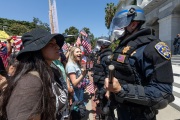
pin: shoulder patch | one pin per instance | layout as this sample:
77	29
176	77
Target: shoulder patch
163	50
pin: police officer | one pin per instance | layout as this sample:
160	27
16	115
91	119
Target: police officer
103	51
143	76
176	44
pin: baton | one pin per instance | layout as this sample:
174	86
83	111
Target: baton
111	73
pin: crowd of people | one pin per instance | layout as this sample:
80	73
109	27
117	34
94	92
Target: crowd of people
41	82
35	84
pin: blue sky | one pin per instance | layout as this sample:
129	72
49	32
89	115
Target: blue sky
77	13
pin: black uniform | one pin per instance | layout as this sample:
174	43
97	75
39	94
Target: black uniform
100	72
176	44
143	68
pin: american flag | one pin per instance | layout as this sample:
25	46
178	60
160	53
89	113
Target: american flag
86	45
17	43
78	41
65	47
84	59
82	32
91	88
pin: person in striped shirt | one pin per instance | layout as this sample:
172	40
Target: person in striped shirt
5	51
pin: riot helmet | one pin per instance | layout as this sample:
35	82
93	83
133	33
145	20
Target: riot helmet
123	18
102	42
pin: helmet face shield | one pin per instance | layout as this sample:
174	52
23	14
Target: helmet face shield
118	24
103	42
96	49
124	17
121	22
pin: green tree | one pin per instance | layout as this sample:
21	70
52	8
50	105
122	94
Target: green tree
87	30
114	45
71	31
18	29
39	24
110	11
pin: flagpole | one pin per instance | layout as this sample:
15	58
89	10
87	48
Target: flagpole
53	16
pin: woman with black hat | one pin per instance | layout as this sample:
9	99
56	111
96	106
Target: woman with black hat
34	91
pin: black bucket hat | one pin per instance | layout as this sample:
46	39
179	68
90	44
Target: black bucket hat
37	39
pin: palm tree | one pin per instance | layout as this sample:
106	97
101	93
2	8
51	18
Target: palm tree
110	11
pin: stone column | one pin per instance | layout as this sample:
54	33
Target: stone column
169	27
165	30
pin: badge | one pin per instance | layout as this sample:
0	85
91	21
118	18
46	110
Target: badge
127	48
163	50
121	58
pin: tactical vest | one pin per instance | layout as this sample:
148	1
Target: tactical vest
99	70
104	54
124	72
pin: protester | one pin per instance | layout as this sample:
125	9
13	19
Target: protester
36	91
5	51
58	65
143	76
2	68
12	64
75	73
176	44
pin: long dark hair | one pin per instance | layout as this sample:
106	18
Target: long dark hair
33	61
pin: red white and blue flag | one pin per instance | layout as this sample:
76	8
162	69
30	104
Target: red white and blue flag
84	59
65	47
17	43
78	41
83	33
86	45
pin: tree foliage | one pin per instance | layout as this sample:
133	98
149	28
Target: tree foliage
16	27
110	11
114	45
74	31
71	31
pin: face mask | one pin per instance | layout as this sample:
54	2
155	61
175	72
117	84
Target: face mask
119	33
97	48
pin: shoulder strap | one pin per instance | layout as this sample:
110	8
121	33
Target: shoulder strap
140	41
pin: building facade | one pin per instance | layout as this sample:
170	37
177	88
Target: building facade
161	15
